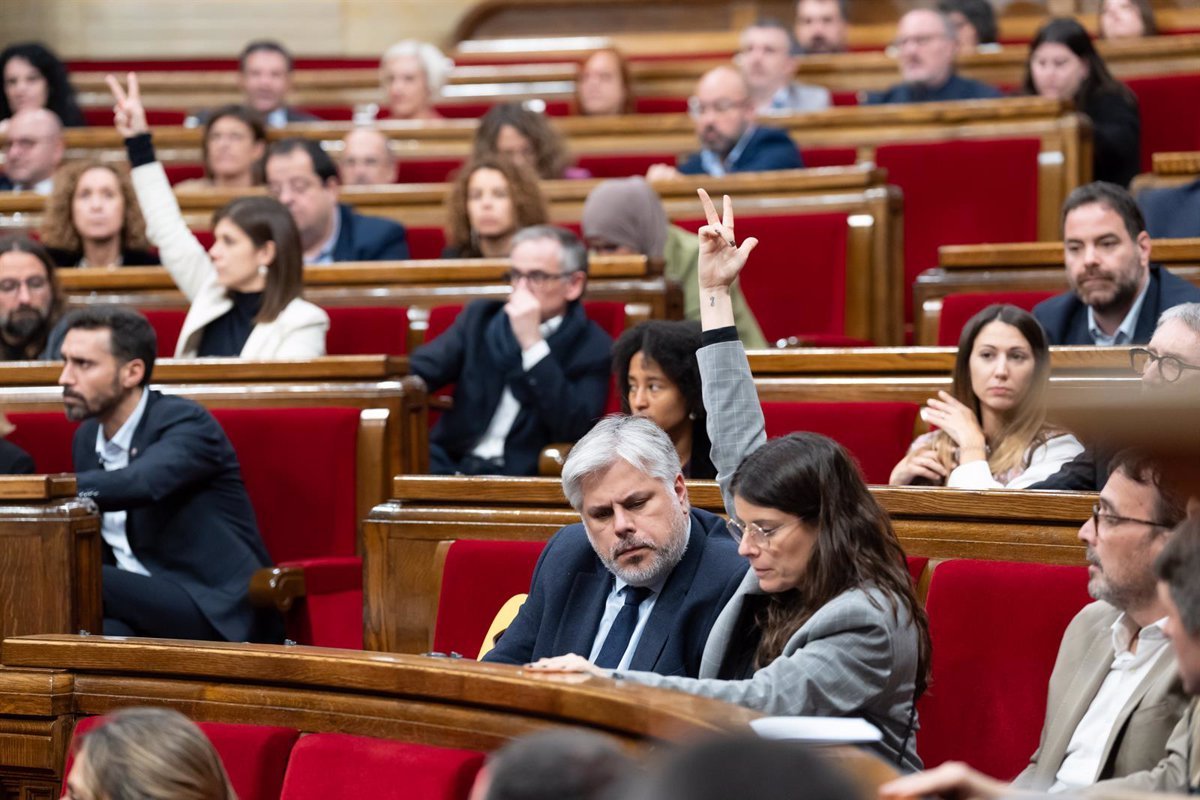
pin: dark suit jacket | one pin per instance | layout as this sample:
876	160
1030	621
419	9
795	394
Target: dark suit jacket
570	585
957	88
363	238
560	397
189	518
1116	137
293	115
767	149
1064	316
1172	213
14	460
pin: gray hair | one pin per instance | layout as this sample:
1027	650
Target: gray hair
1187	313
635	440
436	64
574	254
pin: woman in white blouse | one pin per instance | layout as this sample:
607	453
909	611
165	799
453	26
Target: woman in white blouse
991	430
245	290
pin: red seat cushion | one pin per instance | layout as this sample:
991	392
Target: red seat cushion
940	207
876	434
623	165
477	579
957	310
254	756
1164	129
325	765
167	324
178	173
429	170
47	437
829	156
916	566
660	105
367	330
426	243
996	628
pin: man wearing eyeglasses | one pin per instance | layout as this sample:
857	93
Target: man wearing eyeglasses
33	149
730	141
1170	360
926	46
30	305
527	372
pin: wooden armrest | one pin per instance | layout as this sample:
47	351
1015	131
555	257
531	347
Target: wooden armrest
440	402
277	586
552	458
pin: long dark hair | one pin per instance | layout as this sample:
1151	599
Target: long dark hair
672	345
1149	25
60	95
812	477
265	219
1073	36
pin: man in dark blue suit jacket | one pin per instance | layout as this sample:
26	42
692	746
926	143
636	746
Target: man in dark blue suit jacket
179	536
724	117
638	530
1172	213
528	372
1116	295
927	46
302	176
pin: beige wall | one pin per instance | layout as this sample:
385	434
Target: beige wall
180	28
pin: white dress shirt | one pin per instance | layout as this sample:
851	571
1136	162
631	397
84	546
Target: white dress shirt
1082	762
616	600
114	454
491	444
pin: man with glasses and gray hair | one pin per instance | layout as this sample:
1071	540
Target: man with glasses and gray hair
1171	359
528	372
639	582
723	114
926	47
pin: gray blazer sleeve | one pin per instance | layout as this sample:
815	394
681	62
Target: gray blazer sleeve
735	419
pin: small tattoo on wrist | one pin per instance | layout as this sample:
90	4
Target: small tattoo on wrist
712	300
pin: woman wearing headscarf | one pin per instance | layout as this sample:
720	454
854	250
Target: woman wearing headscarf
626	216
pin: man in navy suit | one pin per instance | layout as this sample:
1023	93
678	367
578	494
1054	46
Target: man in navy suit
302	176
527	372
179	537
723	114
1116	294
1172	213
638	584
927	46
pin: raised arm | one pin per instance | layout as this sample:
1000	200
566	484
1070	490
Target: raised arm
735	420
179	251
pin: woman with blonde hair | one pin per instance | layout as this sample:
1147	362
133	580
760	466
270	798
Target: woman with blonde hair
991	425
93	219
147	754
491	199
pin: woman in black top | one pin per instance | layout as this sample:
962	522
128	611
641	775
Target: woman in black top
35	78
1064	65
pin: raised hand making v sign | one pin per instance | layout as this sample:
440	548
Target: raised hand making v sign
721	261
129	117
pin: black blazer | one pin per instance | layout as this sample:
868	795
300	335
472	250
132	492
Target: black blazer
189	518
14	460
768	149
1116	137
570	586
129	258
1172	213
1064	316
560	397
368	238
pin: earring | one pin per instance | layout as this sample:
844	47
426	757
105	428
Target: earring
692	415
262	270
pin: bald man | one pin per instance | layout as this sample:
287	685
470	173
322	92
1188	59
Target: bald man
33	149
927	46
730	141
367	160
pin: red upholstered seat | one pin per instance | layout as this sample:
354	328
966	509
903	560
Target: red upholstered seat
796	284
325	765
254	756
178	173
940	207
623	165
660	105
996	629
916	566
957	310
876	434
428	170
1164	128
479	577
426	242
47	437
828	157
167	323
367	330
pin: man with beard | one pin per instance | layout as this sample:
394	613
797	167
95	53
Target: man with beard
1116	294
766	61
821	27
723	115
179	536
639	583
30	303
926	46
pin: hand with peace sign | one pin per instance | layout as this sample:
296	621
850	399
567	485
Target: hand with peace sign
129	117
721	259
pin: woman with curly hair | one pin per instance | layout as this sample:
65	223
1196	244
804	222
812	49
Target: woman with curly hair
235	138
526	138
491	200
35	78
93	218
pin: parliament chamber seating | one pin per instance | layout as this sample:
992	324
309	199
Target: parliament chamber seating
1164	129
957	310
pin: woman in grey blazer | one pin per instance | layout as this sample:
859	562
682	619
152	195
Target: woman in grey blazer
826	622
